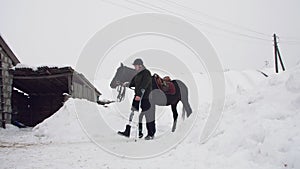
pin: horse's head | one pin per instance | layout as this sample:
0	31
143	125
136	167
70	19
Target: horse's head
123	74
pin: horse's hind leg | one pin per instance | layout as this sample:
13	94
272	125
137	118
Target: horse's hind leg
142	114
175	116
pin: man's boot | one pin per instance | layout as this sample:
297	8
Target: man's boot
148	137
151	130
125	133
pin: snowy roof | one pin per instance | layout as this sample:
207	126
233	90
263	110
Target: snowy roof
36	67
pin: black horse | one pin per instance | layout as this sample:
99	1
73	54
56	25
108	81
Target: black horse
125	74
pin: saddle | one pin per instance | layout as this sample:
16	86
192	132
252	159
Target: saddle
165	84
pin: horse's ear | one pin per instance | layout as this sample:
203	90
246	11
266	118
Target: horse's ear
122	64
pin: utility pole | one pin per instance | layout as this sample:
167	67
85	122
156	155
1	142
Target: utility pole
277	54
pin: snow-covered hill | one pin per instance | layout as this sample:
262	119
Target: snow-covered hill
259	129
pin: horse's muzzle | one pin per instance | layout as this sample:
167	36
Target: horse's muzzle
113	85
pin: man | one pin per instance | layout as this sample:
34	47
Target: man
142	80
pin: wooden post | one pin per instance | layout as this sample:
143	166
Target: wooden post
279	55
70	90
275	52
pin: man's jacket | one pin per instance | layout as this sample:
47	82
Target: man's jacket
142	80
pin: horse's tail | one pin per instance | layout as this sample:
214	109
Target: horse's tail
184	95
183	113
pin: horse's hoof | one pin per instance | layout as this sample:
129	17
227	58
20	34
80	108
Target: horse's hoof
173	128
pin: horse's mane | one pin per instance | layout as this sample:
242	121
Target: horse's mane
128	68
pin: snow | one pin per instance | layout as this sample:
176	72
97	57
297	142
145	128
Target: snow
259	129
62	127
35	67
238	81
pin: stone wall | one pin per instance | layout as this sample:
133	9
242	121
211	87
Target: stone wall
6	80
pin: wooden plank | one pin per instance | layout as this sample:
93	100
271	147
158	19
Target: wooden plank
70	85
41	76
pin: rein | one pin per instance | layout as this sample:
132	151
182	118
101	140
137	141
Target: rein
121	89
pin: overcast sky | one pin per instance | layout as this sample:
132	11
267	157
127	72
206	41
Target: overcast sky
54	32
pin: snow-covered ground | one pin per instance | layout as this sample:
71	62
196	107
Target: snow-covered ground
259	129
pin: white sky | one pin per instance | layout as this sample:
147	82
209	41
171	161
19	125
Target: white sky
54	32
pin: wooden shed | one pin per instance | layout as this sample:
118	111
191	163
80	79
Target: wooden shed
30	95
39	93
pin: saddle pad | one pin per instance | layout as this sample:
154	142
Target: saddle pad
169	88
172	89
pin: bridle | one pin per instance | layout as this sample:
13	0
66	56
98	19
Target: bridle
121	88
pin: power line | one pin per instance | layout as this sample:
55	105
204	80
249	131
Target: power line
228	36
122	6
290	38
195	20
159	9
290	41
192	10
200	22
287	40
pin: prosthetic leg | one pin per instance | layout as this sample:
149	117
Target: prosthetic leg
126	133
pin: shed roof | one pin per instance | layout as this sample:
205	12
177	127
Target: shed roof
47	80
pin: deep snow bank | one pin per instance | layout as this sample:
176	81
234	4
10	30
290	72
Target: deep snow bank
63	126
259	128
238	81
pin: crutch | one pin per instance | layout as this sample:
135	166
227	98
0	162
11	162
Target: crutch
132	114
